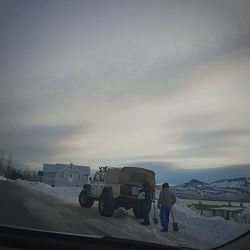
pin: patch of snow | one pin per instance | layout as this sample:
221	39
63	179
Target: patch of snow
214	229
246	210
2	178
66	194
241	182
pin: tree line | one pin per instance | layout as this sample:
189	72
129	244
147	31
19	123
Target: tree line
8	170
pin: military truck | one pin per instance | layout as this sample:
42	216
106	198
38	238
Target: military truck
117	187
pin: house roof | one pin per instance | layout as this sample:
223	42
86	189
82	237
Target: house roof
52	168
83	169
56	168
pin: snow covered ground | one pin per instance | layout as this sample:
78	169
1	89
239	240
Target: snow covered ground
2	178
66	194
195	230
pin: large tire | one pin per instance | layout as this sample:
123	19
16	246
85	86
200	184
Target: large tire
138	209
85	200
106	205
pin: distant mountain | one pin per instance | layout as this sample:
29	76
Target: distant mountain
241	182
195	184
236	189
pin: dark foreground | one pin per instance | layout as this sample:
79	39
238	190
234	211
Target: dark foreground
24	208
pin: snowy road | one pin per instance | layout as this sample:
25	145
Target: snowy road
22	207
35	205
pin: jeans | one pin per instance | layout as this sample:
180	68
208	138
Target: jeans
164	217
146	208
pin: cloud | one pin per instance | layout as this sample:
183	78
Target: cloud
151	81
167	172
35	143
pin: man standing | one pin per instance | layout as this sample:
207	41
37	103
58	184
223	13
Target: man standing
147	202
166	200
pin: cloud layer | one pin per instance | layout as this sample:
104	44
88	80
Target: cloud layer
112	82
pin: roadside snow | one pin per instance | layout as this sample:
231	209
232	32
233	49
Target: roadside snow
2	178
212	231
66	194
195	231
246	210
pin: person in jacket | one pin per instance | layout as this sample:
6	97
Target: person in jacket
146	202
165	201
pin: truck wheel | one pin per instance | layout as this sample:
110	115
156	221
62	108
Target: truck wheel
85	200
105	205
138	209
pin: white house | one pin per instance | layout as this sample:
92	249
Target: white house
65	175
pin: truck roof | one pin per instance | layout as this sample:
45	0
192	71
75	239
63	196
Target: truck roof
129	175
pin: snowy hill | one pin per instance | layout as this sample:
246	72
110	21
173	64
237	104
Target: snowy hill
195	184
241	182
237	189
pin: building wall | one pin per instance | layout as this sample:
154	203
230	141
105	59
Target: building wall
65	175
49	171
49	178
70	177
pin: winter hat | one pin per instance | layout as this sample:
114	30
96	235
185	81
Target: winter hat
165	185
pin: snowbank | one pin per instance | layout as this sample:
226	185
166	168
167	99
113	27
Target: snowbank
195	231
66	194
2	178
246	210
213	231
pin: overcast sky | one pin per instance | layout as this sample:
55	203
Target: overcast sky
113	82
